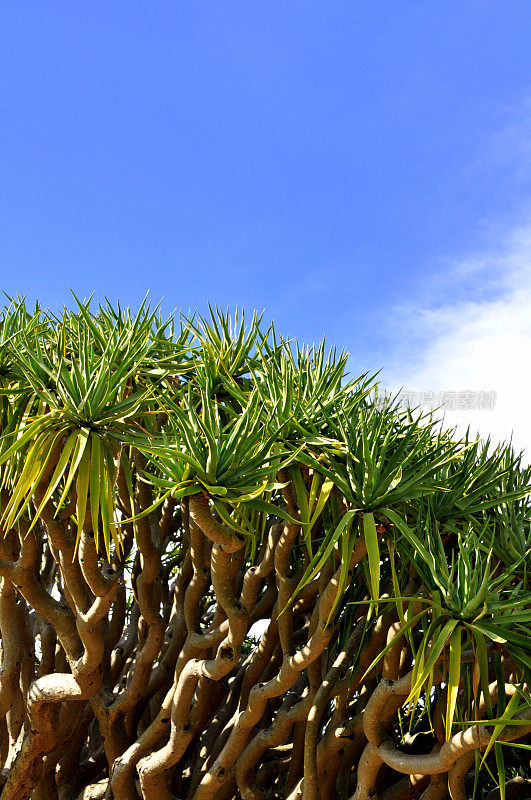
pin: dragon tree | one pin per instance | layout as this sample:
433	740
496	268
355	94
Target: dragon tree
229	570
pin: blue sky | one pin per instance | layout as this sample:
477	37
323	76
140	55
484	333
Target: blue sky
356	169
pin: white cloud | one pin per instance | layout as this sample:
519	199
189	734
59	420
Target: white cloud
480	341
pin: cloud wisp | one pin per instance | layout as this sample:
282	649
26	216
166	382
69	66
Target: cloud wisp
480	342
